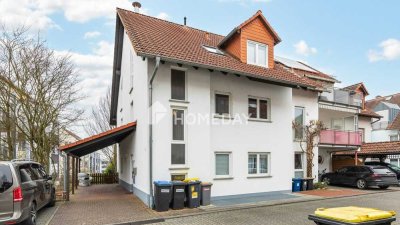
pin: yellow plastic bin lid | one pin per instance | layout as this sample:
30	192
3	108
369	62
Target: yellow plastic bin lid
353	214
187	180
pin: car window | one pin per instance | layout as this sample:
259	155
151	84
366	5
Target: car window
343	170
37	174
363	170
395	168
42	171
26	173
381	170
6	180
352	170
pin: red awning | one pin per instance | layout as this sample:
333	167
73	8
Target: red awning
99	141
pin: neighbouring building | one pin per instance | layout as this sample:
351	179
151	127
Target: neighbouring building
222	108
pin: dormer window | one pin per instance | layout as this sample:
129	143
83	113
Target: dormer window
257	53
213	50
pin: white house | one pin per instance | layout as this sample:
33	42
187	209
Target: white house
219	108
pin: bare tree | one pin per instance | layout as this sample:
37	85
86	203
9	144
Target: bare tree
99	122
44	86
309	141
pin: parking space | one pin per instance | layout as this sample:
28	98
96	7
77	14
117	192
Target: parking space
102	204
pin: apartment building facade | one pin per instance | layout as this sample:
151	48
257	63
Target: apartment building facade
220	108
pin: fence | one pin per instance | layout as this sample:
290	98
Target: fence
101	178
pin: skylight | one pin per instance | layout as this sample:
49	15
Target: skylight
213	50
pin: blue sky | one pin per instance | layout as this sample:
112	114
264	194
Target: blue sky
352	40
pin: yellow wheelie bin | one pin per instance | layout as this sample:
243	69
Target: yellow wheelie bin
352	216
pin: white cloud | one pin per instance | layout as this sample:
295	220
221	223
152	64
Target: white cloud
389	50
91	34
163	16
244	2
302	48
94	72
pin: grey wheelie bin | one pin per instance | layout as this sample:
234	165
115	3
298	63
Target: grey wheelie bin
178	195
205	193
162	195
192	192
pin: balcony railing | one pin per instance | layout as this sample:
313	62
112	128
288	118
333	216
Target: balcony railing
381	125
338	137
342	97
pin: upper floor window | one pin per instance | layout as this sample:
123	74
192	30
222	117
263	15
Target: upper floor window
257	53
222	104
394	137
299	121
258	108
178	85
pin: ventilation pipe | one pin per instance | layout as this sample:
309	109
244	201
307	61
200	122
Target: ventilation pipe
184	20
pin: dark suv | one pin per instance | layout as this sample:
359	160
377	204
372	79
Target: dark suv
25	188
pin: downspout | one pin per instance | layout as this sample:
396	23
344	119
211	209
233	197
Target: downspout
151	129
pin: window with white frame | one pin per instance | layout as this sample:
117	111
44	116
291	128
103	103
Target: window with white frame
178	147
299	121
222	164
259	108
222	102
258	163
178	85
257	53
298	165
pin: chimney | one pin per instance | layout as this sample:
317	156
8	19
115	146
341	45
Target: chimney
136	6
184	20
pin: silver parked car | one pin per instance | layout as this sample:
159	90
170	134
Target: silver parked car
25	188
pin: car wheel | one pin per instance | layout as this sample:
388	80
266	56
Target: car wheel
361	184
384	187
326	180
52	201
32	215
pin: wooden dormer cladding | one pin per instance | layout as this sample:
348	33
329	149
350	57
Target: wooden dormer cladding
255	29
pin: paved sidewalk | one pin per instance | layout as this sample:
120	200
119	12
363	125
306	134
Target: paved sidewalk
102	204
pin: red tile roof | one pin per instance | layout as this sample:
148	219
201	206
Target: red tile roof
97	136
354	87
376	148
395	125
182	44
369	113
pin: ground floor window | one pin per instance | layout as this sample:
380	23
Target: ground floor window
222	164
298	165
178	177
395	162
258	163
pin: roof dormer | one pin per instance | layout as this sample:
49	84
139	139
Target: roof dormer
252	41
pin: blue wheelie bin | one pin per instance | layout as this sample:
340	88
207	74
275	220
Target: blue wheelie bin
296	184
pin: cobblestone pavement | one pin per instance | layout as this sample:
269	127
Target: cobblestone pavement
294	213
46	213
101	204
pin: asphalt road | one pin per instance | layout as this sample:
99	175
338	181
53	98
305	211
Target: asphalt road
295	213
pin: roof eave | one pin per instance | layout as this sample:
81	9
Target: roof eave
282	82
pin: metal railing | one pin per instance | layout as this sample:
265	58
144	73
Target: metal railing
342	97
338	137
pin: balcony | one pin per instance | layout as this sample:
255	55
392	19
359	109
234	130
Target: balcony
338	137
381	125
338	96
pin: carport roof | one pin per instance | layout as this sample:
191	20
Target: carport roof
99	141
376	149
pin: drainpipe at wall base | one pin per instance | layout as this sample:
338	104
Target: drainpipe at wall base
151	129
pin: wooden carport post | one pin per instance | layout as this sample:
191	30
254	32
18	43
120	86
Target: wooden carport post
73	175
68	180
76	172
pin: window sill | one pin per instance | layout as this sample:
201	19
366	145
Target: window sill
223	178
179	167
259	176
179	101
259	120
225	117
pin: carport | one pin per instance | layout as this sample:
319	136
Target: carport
380	150
86	146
